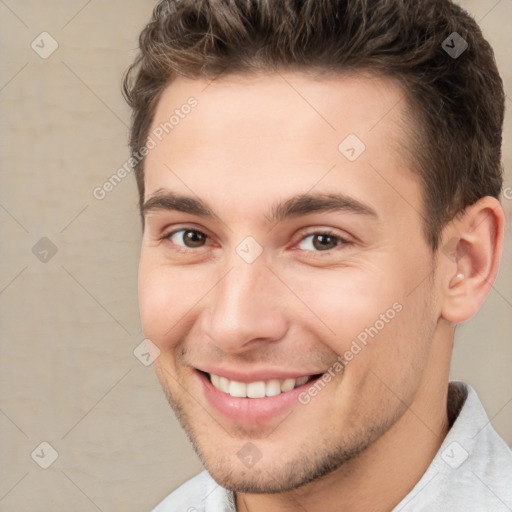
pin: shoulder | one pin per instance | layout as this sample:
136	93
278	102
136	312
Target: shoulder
472	470
189	496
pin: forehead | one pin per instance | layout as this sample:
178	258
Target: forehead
267	134
270	102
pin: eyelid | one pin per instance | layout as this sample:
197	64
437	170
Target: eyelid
324	231
183	227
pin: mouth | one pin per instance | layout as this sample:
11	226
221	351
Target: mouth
253	399
260	388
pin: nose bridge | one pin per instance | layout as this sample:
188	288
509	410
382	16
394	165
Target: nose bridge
243	307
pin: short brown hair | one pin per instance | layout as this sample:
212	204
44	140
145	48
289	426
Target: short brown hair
458	102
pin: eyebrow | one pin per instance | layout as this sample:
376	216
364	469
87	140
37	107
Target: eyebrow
295	206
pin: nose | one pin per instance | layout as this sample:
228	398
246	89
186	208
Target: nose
246	309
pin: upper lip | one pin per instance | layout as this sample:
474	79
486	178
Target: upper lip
253	375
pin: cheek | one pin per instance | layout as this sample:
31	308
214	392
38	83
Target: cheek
152	301
170	298
347	301
165	298
367	317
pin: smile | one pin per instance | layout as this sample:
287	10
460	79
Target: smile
258	389
252	397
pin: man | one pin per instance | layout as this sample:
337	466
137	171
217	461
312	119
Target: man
319	188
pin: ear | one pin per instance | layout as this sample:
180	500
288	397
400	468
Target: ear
469	258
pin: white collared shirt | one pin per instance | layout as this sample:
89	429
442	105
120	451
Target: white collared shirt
471	472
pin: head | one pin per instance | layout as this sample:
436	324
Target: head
329	170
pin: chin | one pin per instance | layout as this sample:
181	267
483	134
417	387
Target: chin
276	472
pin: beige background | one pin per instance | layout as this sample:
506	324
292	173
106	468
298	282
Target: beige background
69	326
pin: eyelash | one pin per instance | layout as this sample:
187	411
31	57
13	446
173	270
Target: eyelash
341	241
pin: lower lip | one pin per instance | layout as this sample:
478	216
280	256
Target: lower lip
251	411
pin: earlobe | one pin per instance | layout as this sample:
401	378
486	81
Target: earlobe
470	267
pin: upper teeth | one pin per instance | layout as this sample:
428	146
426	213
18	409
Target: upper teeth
258	389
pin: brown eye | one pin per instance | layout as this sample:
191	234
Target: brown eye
188	238
320	242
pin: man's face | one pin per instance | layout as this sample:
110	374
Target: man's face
259	294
